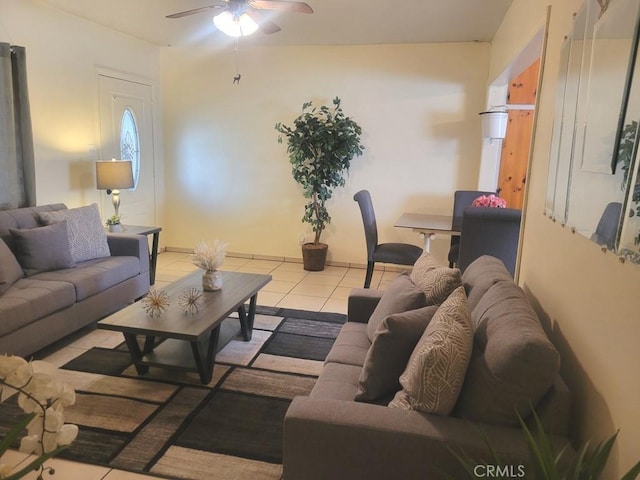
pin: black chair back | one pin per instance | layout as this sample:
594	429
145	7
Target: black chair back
607	229
490	231
368	220
461	200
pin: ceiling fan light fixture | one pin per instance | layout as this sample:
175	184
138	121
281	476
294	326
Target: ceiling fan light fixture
235	25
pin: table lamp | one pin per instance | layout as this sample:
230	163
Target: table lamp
113	175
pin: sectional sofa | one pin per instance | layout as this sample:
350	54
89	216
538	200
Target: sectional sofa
425	370
60	271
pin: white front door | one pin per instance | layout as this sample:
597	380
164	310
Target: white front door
126	133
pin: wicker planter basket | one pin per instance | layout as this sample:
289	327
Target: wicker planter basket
314	256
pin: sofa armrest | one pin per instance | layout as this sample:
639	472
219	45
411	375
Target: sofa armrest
132	246
361	304
351	440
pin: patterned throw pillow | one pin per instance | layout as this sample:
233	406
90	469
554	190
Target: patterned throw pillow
437	282
390	351
87	237
434	375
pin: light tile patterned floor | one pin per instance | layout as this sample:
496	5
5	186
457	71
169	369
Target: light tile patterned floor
291	287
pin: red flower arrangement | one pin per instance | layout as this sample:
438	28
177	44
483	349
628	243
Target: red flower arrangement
489	201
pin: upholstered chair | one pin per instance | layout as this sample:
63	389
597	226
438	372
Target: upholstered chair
489	231
461	200
395	253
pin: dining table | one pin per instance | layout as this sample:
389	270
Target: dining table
428	225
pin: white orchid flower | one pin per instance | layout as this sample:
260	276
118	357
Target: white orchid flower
9	364
31	444
67	434
41	395
65	395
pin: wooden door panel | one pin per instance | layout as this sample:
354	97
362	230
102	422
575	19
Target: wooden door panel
515	157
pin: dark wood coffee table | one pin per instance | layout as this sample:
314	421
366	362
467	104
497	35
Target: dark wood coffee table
190	340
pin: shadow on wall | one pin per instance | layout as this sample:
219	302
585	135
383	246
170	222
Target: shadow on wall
588	405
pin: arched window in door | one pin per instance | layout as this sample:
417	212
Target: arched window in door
130	143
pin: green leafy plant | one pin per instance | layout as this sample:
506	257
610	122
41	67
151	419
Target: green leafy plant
321	144
626	152
113	220
549	463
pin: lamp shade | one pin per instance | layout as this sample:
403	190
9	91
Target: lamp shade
235	25
113	175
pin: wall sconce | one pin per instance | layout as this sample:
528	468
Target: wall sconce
113	175
494	123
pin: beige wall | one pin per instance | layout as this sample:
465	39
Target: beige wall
590	298
63	53
227	176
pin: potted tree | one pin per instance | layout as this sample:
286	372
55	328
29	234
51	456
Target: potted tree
321	144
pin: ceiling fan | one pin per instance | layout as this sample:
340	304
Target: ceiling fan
243	17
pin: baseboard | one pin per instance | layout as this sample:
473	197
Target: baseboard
254	256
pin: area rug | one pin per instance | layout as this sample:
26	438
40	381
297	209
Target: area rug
168	424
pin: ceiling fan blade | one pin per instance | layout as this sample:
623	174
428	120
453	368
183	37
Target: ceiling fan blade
266	26
281	5
194	11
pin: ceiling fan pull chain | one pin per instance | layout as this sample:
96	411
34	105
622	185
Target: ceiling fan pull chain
236	78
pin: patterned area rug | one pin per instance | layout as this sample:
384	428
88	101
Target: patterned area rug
167	424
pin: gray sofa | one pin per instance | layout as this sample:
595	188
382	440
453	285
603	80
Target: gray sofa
39	308
512	366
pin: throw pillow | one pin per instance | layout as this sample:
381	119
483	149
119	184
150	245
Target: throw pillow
42	249
10	269
87	237
434	375
400	296
437	282
513	363
389	353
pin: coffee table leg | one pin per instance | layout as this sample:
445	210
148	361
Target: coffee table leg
136	353
246	319
205	360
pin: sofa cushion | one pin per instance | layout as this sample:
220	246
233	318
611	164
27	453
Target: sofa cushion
42	249
29	299
87	236
400	296
434	375
351	345
513	362
437	282
94	276
481	275
337	382
10	269
389	353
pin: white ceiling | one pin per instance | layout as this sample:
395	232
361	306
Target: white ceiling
335	22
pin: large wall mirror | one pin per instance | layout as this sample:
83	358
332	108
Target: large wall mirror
594	145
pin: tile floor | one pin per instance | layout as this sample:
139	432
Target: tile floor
291	287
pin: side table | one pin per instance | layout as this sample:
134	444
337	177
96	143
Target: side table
153	253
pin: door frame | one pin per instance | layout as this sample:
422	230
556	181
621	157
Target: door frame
497	95
156	133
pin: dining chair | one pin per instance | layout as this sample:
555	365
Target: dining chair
395	253
461	200
489	231
607	228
